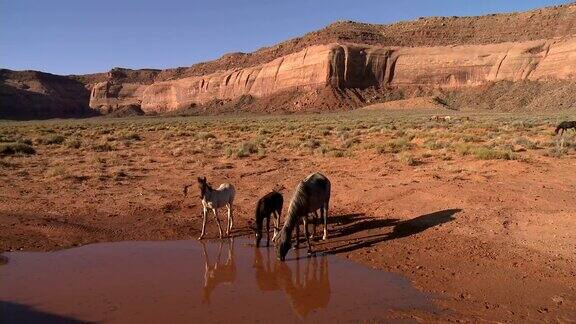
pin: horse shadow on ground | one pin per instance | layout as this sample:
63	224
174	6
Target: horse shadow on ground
19	313
354	223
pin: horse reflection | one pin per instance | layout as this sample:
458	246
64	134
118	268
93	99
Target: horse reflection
307	288
219	272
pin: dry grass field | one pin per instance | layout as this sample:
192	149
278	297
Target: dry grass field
480	210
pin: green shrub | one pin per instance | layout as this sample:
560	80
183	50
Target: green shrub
228	151
351	142
245	149
102	147
408	159
311	143
57	171
556	151
51	139
464	149
486	153
205	136
337	153
16	148
526	143
395	146
130	137
434	144
73	143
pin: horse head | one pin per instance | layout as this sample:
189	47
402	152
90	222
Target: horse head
284	244
203	186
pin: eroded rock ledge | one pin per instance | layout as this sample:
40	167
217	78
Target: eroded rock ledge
351	66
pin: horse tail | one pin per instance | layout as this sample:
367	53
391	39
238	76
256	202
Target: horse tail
185	190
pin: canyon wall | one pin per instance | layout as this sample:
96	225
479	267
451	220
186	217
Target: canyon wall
38	95
352	66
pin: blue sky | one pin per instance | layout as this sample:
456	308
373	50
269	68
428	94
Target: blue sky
80	36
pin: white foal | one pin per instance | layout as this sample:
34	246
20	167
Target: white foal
214	199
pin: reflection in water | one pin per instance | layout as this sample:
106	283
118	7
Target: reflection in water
219	272
3	260
163	282
308	288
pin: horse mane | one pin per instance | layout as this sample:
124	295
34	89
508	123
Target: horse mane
297	202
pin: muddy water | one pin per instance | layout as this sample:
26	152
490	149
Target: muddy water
191	282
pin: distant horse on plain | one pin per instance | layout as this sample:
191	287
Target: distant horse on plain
311	194
564	126
214	199
268	206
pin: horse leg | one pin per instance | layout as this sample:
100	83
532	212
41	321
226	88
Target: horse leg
316	219
217	221
230	251
305	222
297	235
206	264
325	216
231	217
307	236
230	220
268	230
276	224
204	212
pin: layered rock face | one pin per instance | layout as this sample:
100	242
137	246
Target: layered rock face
352	66
305	71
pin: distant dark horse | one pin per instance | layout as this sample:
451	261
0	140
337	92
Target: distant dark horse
565	125
311	194
267	206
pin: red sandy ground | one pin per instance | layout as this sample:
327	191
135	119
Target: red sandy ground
492	240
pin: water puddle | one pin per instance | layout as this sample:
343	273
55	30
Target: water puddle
188	281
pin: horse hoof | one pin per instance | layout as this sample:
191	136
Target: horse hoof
200	238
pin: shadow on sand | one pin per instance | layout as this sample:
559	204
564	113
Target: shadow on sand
18	313
354	223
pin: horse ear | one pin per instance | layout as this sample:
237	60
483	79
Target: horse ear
199	179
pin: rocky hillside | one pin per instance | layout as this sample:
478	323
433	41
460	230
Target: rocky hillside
38	95
345	65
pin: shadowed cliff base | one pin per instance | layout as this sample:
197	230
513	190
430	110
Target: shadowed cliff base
37	95
503	96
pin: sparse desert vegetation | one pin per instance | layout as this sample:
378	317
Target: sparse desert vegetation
408	138
507	178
